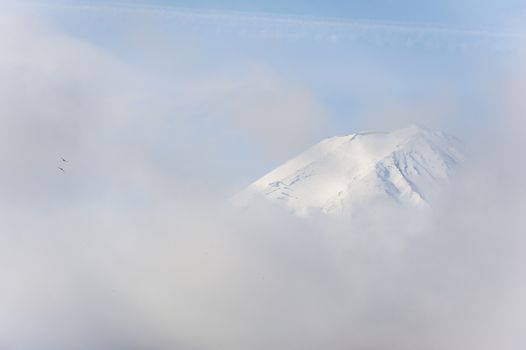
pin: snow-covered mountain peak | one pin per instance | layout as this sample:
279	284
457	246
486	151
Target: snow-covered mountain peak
408	166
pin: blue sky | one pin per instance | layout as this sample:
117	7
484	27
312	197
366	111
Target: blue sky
366	64
469	12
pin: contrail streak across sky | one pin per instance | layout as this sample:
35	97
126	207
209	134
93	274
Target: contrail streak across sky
291	27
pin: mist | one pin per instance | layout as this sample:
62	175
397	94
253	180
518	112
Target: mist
135	245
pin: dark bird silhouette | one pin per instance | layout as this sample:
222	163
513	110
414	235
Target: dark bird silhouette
61	169
64	160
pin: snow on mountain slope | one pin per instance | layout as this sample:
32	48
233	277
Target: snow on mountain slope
409	166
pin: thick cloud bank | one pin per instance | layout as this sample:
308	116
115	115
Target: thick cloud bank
133	248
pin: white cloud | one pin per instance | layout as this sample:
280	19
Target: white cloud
85	263
124	129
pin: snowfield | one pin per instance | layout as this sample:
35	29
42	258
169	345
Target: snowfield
340	175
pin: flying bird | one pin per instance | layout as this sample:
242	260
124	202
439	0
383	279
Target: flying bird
64	160
62	169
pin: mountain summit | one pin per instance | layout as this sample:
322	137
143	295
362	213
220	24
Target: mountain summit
340	175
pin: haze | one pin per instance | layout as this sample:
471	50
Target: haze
166	110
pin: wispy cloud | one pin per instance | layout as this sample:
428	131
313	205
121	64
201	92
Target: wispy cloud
129	251
292	27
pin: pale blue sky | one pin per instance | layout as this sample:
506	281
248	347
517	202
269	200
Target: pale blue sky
368	64
467	12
